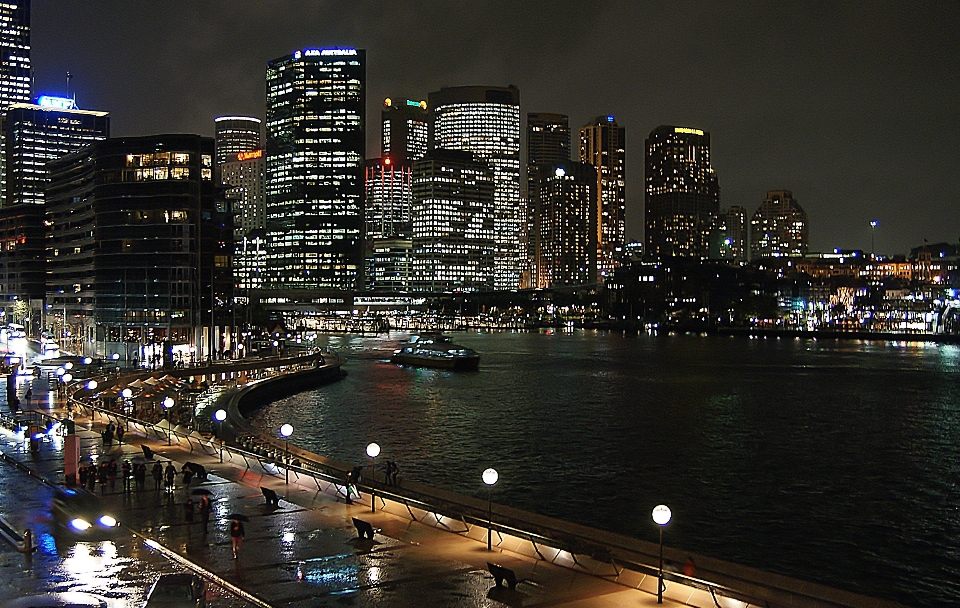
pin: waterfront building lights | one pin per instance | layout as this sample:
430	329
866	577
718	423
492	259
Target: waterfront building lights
220	415
661	516
490	478
373	450
167	404
285	431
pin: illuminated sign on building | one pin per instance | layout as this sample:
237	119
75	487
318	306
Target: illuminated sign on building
690	131
59	103
249	155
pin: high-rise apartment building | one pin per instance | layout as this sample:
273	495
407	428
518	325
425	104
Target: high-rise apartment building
603	145
453	223
139	249
682	193
235	134
244	176
35	134
486	122
779	227
405	129
315	156
728	236
565	240
548	145
16	75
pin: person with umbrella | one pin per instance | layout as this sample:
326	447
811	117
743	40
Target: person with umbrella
237	532
204	506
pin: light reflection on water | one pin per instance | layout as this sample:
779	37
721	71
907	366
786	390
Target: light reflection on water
832	461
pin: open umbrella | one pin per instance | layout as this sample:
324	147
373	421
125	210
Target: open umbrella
201	492
238	517
139	460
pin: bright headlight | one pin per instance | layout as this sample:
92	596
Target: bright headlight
108	521
79	524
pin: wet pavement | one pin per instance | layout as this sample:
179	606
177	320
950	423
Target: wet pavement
305	552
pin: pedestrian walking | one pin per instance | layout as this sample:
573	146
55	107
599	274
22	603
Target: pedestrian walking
187	475
140	475
348	488
689	568
102	477
157	473
120	433
188	511
127	472
108	434
92	475
392	471
82	475
169	474
28	395
236	536
112	474
205	511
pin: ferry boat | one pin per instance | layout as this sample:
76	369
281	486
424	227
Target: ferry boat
436	351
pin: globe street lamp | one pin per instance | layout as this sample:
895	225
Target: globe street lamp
167	404
490	477
373	450
220	416
285	431
661	515
873	233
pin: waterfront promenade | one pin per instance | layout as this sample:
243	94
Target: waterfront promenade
305	551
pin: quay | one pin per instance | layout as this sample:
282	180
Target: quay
428	546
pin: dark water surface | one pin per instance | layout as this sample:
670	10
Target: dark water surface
830	461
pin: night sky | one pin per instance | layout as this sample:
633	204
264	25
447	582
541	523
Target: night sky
852	106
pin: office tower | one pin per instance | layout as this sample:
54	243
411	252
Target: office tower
315	155
548	144
22	262
779	227
405	130
389	194
235	134
390	264
244	176
453	222
602	144
139	248
682	193
486	122
16	75
565	238
728	236
37	133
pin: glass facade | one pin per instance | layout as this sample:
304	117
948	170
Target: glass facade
486	122
35	135
235	134
389	195
315	156
682	193
548	144
404	129
453	223
565	231
16	75
602	144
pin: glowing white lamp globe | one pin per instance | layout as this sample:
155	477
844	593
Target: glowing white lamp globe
221	415
68	378
92	385
127	393
168	402
490	477
373	450
286	430
661	515
68	365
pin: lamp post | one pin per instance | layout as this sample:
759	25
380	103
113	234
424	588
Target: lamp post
220	416
373	450
490	477
167	404
285	431
661	515
873	233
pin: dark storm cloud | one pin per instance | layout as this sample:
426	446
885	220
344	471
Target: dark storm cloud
853	106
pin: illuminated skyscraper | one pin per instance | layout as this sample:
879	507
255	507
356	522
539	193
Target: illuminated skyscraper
486	122
235	134
565	230
779	227
315	155
244	175
35	134
682	193
728	236
602	144
405	129
548	144
16	74
453	223
389	194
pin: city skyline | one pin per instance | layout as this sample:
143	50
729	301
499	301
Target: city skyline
850	109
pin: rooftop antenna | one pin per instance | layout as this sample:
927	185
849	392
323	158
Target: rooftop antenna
69	94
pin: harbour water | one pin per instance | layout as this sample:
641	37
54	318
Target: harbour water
834	461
